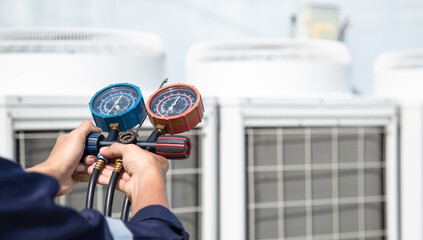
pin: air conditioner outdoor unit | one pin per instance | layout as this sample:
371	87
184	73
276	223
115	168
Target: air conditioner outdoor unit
69	61
398	75
72	62
300	156
270	67
325	168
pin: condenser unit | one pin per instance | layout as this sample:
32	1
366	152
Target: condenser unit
300	156
308	168
270	67
398	75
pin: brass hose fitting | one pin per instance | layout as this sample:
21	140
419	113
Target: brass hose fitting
111	187
118	166
100	164
161	129
115	126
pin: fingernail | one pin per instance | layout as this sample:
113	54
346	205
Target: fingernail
80	168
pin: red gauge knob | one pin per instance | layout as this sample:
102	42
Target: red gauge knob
178	107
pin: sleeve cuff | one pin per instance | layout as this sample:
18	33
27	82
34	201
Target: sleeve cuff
156	212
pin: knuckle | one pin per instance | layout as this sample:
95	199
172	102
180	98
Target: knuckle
61	137
86	123
164	162
76	134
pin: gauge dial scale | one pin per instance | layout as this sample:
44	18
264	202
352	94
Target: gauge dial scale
178	106
118	103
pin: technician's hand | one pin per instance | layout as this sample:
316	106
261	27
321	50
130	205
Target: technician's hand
63	162
143	180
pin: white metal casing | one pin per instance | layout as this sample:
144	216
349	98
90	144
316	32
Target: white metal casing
398	75
236	115
269	67
74	61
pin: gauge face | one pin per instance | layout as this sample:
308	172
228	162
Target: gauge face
121	104
177	107
173	101
115	100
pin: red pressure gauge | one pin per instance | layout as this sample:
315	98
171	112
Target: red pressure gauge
178	107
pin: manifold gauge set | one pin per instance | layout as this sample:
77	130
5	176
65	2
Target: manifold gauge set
119	108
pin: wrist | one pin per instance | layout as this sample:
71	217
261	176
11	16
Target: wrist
41	168
46	169
147	188
144	180
149	174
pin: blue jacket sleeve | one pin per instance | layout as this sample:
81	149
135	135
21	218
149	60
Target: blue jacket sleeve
27	211
156	222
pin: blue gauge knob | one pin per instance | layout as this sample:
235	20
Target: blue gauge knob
120	103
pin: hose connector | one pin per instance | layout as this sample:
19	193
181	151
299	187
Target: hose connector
101	162
119	165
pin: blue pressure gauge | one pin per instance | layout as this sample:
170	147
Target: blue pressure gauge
120	103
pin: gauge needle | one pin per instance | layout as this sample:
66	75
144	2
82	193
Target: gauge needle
171	107
114	105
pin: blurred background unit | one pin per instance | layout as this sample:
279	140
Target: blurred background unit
48	77
300	156
270	67
78	61
318	21
308	169
73	62
398	75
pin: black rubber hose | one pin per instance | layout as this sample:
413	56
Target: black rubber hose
125	209
89	201
110	194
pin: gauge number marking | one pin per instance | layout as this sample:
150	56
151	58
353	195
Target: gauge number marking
171	103
115	100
